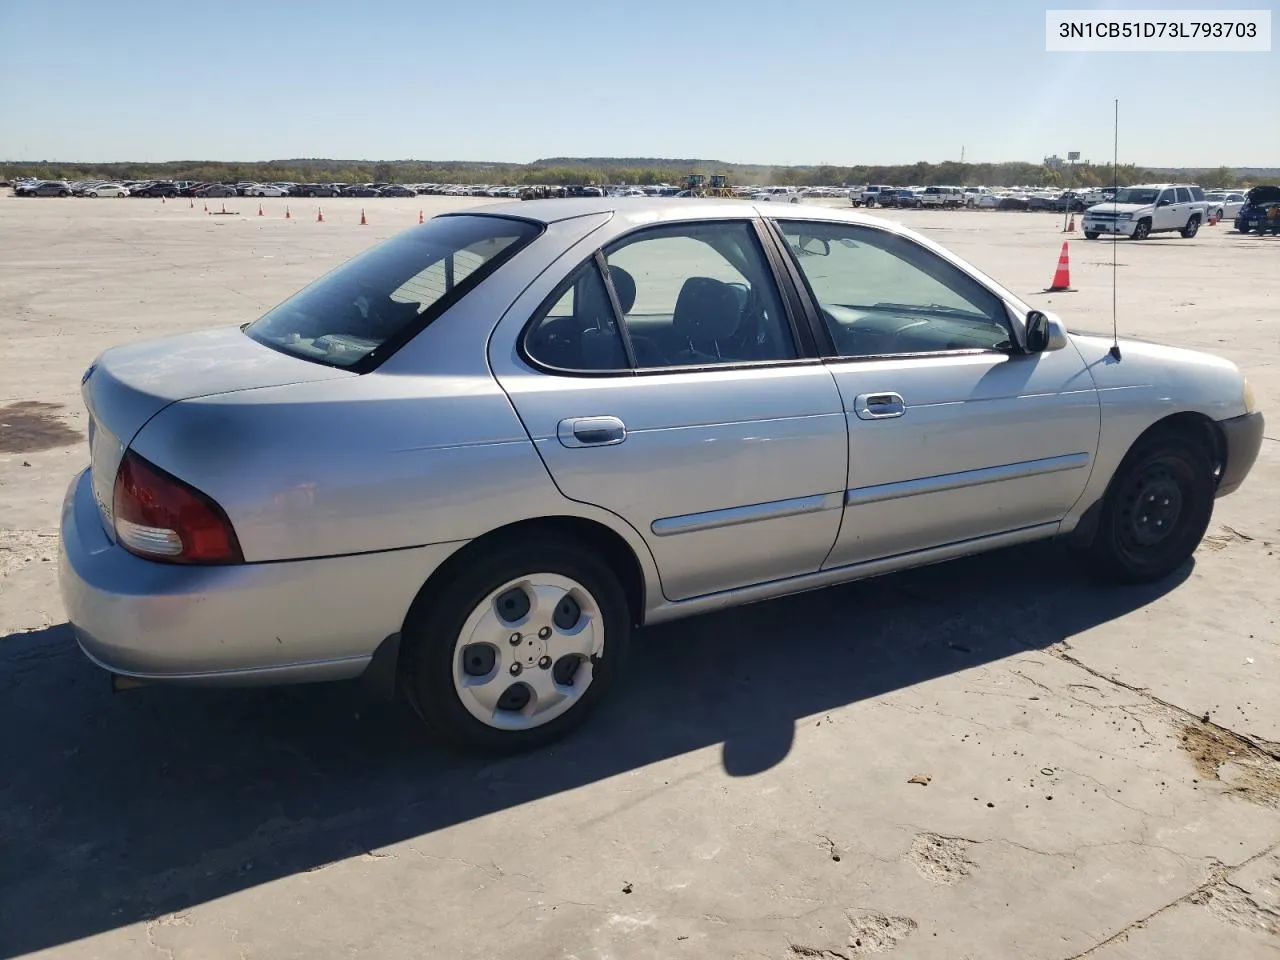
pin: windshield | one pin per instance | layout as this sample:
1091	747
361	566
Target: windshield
1136	195
363	310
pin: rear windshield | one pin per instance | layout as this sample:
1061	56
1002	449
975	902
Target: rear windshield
366	308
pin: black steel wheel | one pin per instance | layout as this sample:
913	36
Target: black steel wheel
1156	509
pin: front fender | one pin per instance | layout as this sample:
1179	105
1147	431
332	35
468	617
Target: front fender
1149	383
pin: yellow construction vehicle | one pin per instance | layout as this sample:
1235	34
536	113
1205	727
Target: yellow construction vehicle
697	186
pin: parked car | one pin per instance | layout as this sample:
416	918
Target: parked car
438	465
265	190
212	190
359	190
778	195
947	197
1013	201
156	188
396	190
314	190
44	188
106	190
900	197
870	195
1258	202
1225	205
1069	201
973	196
1142	210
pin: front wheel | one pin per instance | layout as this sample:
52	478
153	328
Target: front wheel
1157	509
1091	234
1192	226
1142	230
517	647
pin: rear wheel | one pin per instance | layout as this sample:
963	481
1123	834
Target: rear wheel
1142	230
1156	510
518	646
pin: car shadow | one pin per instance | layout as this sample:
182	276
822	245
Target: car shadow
119	808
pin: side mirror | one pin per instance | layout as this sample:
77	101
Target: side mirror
1044	333
1163	203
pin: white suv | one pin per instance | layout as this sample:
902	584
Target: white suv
1148	208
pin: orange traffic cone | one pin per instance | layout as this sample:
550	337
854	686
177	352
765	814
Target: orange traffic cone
1061	276
420	220
287	214
259	209
319	215
1071	224
1213	219
363	221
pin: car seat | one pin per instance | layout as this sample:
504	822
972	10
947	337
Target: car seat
707	317
601	343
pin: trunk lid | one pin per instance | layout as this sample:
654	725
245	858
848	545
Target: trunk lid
128	385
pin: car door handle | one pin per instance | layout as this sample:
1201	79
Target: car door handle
591	431
879	406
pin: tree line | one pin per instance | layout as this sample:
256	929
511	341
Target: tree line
641	172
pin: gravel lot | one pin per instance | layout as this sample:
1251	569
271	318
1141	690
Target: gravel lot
1100	766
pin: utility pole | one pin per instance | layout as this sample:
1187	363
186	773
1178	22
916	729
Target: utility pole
962	153
1072	157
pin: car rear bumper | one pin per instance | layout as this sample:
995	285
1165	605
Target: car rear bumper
247	624
1244	439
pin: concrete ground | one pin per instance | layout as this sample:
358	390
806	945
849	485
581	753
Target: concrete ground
986	759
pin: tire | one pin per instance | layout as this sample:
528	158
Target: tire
1170	474
466	606
1142	230
1091	235
63	193
1193	225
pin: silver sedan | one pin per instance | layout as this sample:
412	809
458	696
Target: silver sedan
469	461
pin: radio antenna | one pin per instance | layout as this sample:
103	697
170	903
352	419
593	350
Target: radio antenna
1115	190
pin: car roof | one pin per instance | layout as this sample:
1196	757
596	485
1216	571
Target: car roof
653	209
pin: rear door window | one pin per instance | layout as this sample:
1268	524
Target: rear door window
697	294
1184	195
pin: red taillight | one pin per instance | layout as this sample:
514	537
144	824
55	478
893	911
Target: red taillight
161	518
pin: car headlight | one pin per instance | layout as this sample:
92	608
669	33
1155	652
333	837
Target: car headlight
1250	404
1124	216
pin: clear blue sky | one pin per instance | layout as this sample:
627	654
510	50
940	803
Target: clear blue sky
799	81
